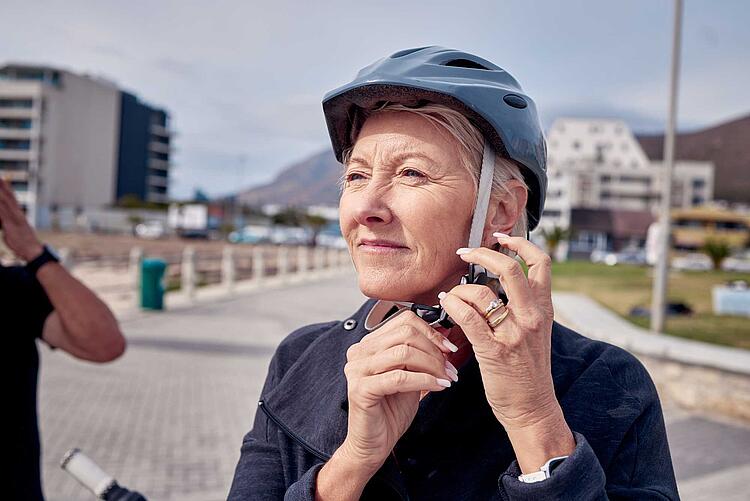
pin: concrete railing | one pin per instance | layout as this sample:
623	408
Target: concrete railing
693	374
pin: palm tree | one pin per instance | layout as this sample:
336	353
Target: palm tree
717	249
553	237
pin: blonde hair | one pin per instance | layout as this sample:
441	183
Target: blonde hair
471	149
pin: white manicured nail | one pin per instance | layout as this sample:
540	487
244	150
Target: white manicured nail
443	382
450	345
452	375
451	367
464	250
442	295
500	235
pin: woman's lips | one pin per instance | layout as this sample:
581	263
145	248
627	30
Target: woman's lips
381	246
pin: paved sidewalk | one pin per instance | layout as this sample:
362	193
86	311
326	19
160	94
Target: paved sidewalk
168	418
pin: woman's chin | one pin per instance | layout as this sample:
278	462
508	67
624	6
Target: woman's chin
390	290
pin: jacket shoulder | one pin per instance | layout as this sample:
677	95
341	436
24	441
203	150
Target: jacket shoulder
295	343
592	357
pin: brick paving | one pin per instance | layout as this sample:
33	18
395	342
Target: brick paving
167	419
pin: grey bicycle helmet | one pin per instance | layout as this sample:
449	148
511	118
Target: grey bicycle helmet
482	91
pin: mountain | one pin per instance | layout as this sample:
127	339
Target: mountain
727	145
313	181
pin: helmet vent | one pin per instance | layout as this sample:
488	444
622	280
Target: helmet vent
465	63
406	52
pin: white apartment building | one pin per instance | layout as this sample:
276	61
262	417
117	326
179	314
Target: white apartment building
598	163
77	143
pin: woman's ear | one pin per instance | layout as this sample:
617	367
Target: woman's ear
505	210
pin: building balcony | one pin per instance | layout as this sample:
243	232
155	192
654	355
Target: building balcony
18	112
159	147
8	133
17	155
15	175
160	130
155	163
158	181
160	198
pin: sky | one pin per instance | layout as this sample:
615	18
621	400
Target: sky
243	80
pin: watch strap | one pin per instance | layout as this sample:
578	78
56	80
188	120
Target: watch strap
45	257
544	472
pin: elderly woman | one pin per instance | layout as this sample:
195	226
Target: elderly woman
452	381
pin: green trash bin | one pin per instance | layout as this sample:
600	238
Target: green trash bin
152	284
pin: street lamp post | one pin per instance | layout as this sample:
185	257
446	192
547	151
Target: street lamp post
662	264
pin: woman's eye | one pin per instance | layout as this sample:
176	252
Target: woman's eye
354	176
411	173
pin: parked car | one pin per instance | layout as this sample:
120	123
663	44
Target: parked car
251	234
626	256
692	262
738	263
150	230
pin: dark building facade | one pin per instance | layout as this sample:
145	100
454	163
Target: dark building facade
144	149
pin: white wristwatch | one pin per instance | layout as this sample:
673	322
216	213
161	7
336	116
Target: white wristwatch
544	472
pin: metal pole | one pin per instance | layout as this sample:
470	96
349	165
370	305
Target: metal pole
662	263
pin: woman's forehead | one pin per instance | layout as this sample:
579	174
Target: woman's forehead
402	134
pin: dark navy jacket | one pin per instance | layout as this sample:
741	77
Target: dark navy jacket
455	448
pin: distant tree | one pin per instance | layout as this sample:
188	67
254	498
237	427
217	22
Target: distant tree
718	250
553	237
134	220
315	223
289	217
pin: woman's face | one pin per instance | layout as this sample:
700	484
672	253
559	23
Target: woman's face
405	208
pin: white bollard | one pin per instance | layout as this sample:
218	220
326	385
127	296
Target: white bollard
187	276
283	262
228	269
258	264
301	262
134	270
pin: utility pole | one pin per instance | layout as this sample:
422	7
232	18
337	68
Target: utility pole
658	310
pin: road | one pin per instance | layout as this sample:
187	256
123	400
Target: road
167	419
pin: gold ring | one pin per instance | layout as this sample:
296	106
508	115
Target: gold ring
499	319
495	305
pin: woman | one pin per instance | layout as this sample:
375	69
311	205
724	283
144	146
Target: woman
437	389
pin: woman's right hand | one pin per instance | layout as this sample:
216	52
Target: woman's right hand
386	372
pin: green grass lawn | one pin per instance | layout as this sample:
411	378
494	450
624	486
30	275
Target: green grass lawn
623	286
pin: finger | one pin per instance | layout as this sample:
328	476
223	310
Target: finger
401	381
406	328
538	261
473	324
509	270
403	357
477	296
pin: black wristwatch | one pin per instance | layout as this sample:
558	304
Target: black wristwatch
45	257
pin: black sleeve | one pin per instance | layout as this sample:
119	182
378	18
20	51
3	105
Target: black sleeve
259	474
27	304
640	469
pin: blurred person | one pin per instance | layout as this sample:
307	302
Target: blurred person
434	390
40	300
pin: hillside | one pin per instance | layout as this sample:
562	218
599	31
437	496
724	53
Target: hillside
313	181
727	145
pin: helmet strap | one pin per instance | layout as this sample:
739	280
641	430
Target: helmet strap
483	197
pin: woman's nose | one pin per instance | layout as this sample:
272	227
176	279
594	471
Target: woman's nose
371	208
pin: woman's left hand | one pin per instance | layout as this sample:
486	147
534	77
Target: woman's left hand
514	357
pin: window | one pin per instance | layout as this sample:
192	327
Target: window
551	213
14	165
16	103
576	145
698	183
15	123
730	225
15	144
605	178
